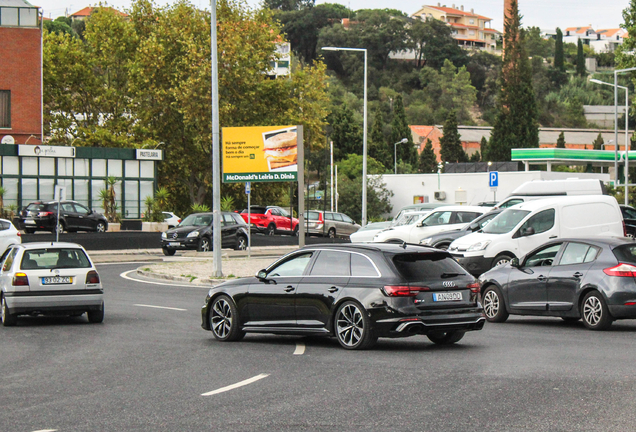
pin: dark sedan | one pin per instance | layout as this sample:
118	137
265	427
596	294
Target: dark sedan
38	216
355	292
195	232
592	280
444	239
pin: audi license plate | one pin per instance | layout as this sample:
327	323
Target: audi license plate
57	280
449	296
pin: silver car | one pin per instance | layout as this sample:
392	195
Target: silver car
331	224
49	279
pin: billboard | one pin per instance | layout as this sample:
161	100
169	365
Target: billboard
260	154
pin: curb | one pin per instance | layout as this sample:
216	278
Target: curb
159	276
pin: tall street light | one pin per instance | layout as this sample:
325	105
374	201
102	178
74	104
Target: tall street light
616	72
616	134
364	139
402	141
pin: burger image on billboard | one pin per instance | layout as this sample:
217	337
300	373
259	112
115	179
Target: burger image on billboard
281	150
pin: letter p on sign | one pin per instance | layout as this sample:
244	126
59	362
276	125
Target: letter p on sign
493	180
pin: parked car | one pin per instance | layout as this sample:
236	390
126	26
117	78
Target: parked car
444	239
366	234
47	278
271	220
588	279
444	219
354	292
629	217
171	219
523	227
39	216
195	232
330	224
9	235
419	207
539	189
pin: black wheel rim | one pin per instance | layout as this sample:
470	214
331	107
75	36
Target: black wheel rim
221	318
350	325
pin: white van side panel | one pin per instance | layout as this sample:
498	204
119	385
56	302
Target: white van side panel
594	219
560	187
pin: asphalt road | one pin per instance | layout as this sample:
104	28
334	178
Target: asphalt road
146	367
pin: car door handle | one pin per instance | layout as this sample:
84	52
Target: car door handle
578	275
289	288
333	289
542	278
552	237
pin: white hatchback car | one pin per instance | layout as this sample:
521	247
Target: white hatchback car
9	235
171	219
49	279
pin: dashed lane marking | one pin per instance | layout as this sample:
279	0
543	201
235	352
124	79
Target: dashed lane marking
237	385
161	307
300	348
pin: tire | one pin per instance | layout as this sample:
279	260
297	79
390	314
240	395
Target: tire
446	338
271	229
494	305
204	245
594	312
168	251
500	259
100	227
96	316
8	319
241	243
332	233
59	228
295	232
29	230
224	320
352	327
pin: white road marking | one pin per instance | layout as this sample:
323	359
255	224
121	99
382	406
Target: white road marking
160	307
126	262
237	385
300	348
46	430
167	283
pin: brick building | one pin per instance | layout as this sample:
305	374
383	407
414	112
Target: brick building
21	77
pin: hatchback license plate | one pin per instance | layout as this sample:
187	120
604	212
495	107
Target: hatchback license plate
449	296
57	280
29	222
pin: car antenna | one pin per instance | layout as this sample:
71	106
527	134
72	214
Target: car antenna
403	245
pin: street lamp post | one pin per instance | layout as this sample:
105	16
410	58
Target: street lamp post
364	139
402	141
616	86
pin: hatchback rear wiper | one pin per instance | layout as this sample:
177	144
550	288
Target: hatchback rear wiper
449	275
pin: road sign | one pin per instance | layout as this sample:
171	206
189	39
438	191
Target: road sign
60	193
493	179
248	188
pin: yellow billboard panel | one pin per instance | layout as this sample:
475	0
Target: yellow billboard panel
260	153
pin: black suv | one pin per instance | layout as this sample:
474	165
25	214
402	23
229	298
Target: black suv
355	292
39	216
195	232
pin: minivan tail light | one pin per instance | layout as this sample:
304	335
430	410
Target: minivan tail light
621	270
474	287
403	290
20	279
92	277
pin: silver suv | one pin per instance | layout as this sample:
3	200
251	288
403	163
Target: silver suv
330	224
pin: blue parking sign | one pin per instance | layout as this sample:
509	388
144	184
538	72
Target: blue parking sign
493	179
248	188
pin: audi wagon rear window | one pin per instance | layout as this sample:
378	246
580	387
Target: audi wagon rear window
41	259
626	253
312	216
418	267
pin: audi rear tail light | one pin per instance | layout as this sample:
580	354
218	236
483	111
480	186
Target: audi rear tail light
92	277
45	213
20	279
474	287
403	291
621	270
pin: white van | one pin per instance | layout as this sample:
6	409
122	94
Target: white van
526	226
537	189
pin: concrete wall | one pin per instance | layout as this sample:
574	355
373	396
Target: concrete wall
406	186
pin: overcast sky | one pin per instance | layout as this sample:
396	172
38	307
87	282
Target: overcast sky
547	14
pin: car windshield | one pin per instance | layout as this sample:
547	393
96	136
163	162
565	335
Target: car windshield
409	218
418	267
44	259
255	210
437	218
626	253
505	221
197	220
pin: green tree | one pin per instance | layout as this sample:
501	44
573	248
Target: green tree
399	130
560	141
580	59
516	120
483	147
475	157
433	43
346	133
451	149
428	160
625	52
60	25
597	144
558	51
288	5
536	45
378	148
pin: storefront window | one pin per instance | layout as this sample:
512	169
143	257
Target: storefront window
65	167
47	166
30	166
132	168
81	167
99	167
147	169
81	191
10	165
47	189
132	199
29	190
114	168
